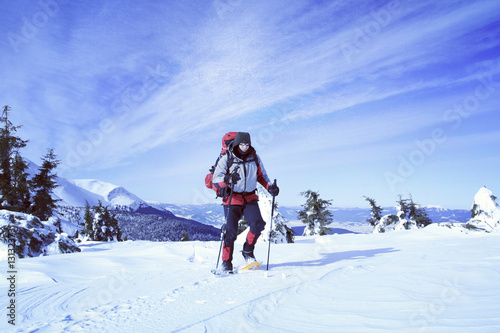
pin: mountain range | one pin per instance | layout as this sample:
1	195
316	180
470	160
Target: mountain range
79	192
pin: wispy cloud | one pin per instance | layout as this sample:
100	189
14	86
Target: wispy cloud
250	62
106	82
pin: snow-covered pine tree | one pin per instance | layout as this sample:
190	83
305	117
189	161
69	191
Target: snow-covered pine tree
87	221
98	228
10	144
315	214
418	214
485	212
409	216
281	228
113	232
21	196
44	182
376	211
101	226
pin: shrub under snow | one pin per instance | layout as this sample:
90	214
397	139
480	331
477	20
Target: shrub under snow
32	237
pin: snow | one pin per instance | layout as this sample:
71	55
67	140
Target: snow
32	237
484	201
487	211
427	280
79	192
436	207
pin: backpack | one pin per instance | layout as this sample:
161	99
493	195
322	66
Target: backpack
227	140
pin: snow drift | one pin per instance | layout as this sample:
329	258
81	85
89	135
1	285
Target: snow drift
32	237
485	217
431	280
485	211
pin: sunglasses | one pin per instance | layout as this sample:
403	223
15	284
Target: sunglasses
245	144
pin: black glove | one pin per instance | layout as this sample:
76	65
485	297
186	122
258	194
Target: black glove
232	178
274	190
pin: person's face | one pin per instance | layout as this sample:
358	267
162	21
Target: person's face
244	147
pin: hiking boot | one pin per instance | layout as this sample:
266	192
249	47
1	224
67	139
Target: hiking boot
249	256
227	266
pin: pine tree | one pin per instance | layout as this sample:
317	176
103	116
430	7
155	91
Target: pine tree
112	231
418	214
315	214
280	227
43	184
101	226
376	211
21	196
9	147
404	207
87	221
98	228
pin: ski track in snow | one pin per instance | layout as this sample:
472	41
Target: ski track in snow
418	281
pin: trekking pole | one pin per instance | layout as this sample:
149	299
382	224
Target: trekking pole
223	228
270	230
222	232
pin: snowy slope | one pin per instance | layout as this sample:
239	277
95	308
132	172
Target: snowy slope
76	192
429	280
79	192
72	195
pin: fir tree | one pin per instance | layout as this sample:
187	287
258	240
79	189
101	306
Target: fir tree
315	214
44	183
280	227
87	221
21	185
376	211
418	214
111	225
404	207
98	227
102	226
9	147
290	234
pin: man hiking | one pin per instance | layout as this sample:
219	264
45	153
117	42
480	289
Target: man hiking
240	170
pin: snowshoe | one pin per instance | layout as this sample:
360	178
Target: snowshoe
252	266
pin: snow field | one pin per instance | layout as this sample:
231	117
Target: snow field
428	280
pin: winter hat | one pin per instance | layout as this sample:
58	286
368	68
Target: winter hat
242	137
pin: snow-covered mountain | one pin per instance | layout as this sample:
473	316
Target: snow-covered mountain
78	192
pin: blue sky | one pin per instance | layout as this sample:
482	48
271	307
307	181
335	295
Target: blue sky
348	98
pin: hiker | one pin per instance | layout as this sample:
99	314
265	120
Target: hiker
241	169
